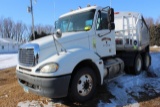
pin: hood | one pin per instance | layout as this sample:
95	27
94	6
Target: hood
68	40
66	37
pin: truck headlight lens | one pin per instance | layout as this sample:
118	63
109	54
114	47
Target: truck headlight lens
49	68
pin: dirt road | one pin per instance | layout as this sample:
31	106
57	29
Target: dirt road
11	94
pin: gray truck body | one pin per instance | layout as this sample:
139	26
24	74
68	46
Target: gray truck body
131	31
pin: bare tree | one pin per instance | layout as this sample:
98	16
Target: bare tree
1	28
48	29
28	33
41	31
8	26
12	30
158	21
39	28
19	30
149	21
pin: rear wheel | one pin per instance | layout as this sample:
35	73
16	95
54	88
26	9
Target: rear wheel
138	64
146	61
83	85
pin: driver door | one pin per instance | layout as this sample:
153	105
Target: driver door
105	38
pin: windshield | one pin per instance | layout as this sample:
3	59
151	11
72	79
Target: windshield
76	22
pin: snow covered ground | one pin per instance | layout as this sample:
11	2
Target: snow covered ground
155	46
8	60
125	89
128	87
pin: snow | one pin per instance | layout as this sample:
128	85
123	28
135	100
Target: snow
8	60
155	46
7	40
39	104
34	104
125	89
3	40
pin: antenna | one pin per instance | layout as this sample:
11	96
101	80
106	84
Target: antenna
54	6
35	1
110	3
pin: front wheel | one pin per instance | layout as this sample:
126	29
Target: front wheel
83	85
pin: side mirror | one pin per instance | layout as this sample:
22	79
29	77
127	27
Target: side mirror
58	33
111	15
111	26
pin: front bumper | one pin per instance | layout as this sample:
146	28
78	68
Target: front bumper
56	87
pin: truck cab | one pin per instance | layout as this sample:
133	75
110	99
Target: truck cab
90	26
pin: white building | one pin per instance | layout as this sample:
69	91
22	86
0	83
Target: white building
8	46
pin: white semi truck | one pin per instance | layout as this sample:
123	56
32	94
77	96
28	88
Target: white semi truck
83	52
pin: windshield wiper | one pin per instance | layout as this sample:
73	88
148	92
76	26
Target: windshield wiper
75	30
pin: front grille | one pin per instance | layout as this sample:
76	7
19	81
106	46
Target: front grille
26	57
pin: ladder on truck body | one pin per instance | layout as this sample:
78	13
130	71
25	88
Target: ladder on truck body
129	30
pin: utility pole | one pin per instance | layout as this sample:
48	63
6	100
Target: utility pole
30	10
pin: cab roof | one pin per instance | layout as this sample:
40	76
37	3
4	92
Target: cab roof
80	10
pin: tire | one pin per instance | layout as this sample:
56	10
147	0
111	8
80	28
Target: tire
83	85
138	63
146	61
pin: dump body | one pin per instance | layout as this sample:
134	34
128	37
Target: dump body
131	31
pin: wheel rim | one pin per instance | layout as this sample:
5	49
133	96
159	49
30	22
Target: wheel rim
147	60
84	85
139	64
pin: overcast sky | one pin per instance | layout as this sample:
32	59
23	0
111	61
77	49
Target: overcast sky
47	11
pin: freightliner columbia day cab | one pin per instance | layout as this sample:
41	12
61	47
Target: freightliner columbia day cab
86	48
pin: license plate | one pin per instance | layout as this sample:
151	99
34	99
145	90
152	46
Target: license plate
25	89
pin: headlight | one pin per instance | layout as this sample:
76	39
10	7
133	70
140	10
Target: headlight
49	68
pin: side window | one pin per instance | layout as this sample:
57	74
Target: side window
70	27
102	22
64	25
99	21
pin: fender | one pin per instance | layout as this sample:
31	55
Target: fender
68	60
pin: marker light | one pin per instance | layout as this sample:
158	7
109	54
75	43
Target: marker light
116	13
